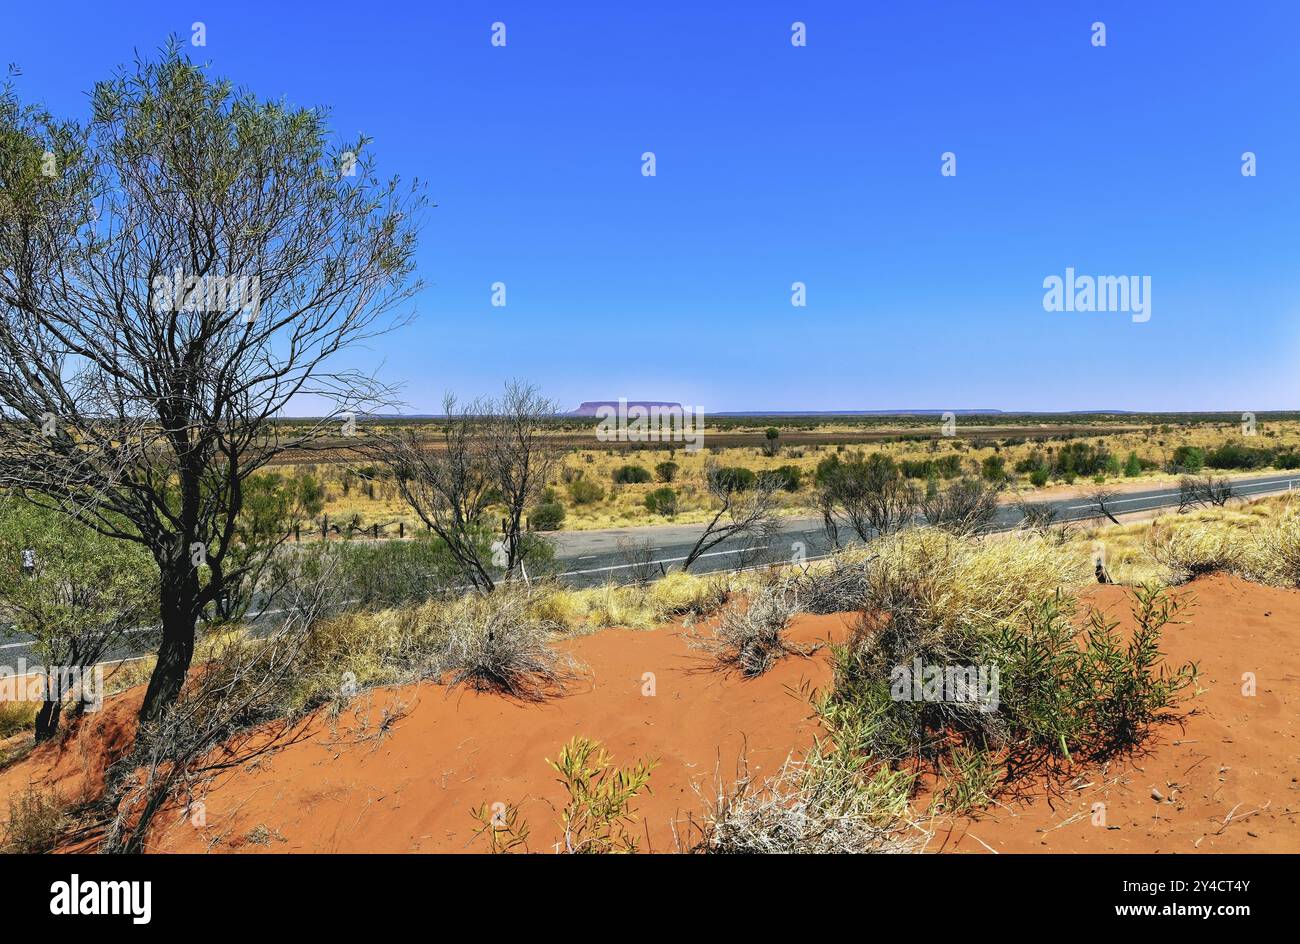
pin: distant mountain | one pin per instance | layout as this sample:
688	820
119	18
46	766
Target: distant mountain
988	412
589	407
852	412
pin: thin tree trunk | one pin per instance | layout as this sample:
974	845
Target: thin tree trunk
700	547
179	592
47	719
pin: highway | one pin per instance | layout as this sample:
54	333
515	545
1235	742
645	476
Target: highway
591	558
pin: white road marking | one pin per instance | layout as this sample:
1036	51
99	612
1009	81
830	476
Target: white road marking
1237	488
666	560
672	560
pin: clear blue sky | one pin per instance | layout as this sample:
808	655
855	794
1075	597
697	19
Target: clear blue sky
776	164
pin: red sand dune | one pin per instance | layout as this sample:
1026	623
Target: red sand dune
340	788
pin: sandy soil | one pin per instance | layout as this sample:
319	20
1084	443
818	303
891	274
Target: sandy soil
1227	773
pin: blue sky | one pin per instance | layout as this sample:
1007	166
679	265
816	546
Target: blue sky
778	164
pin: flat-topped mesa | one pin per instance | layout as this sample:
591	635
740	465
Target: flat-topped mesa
592	407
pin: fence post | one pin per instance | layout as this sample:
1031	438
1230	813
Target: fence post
374	529
324	527
297	533
401	529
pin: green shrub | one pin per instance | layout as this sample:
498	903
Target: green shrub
787	477
598	816
947	467
734	478
1237	456
826	470
970	777
993	469
389	573
1080	458
1060	690
662	501
1133	466
546	517
1087	692
583	492
1189	459
631	475
1038	478
1032	463
666	471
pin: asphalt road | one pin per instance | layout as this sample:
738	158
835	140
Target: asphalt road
594	557
590	558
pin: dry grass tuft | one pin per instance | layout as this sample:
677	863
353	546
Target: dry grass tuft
827	803
751	637
1190	551
492	642
1258	541
949	583
36	822
16	717
1274	554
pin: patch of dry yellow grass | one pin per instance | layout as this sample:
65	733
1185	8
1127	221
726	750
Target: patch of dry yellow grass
957	582
1259	540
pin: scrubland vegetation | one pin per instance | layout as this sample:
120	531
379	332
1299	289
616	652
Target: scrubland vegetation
597	486
154	498
1071	689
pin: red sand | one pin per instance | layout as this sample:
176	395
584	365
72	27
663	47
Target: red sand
339	788
1231	756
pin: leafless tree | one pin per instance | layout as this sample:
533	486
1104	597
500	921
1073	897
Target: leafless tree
1036	516
521	458
743	514
639	558
1102	497
1216	490
488	452
826	503
198	260
1203	490
446	483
